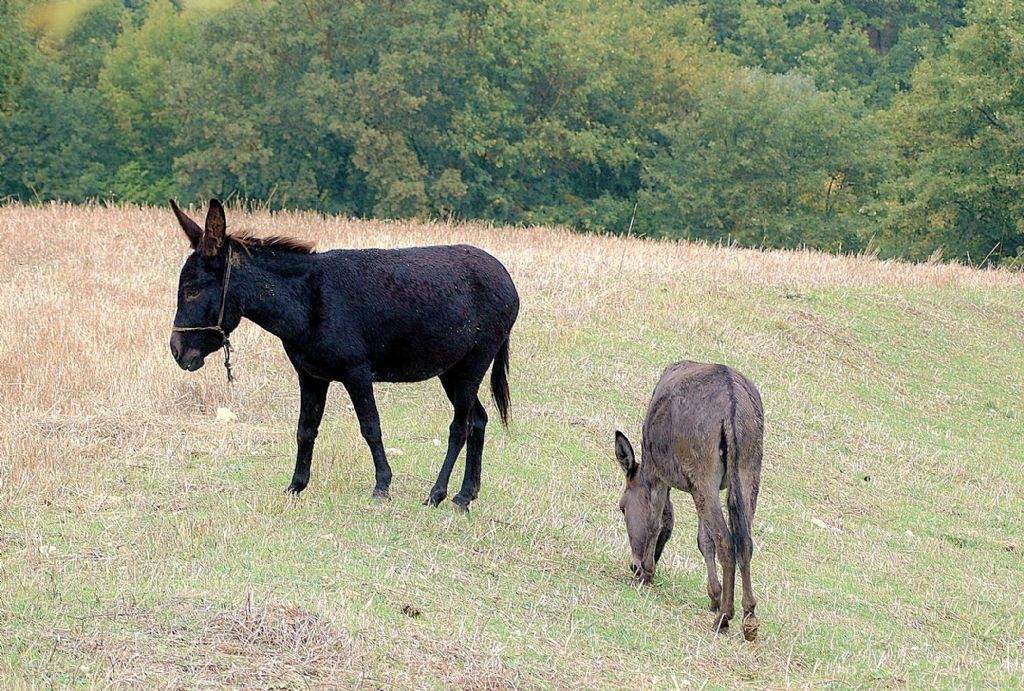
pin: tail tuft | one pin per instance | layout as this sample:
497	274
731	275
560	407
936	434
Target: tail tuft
739	522
499	383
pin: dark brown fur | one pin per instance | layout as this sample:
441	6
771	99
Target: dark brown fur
704	433
273	242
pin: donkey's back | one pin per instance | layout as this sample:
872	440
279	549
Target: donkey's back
697	414
411	313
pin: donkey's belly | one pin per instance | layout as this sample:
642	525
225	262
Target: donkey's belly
417	363
407	375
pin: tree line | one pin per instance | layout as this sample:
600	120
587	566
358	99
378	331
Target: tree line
889	126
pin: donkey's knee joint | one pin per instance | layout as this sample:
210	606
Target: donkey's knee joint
480	420
459	431
714	597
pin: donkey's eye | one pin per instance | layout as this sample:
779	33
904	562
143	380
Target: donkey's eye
192	294
622	509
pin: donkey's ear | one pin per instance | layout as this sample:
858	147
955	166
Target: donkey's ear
216	229
191	228
624	455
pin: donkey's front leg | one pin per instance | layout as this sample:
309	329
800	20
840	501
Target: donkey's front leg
360	389
312	396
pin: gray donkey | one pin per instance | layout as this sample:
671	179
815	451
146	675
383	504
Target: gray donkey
703	433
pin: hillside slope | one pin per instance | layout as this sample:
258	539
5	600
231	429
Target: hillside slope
142	541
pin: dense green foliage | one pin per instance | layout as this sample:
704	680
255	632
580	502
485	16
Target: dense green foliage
839	124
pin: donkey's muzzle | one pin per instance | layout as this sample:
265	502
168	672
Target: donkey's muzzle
189	359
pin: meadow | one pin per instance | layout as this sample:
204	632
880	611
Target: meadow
144	542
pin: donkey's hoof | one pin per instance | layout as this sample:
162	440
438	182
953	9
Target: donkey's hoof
435	498
721	623
714	605
750	626
295	488
460	504
381	495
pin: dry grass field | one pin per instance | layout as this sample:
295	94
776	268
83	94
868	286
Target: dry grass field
143	542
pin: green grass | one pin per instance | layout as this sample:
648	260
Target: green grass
893	417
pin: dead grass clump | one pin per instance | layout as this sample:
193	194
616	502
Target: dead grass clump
257	645
283	632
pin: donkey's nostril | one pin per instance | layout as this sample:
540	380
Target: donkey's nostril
177	346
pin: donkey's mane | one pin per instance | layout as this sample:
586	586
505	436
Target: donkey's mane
274	242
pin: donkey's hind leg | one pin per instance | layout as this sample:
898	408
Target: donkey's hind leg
744	554
709	509
750	620
461	391
474	457
706	545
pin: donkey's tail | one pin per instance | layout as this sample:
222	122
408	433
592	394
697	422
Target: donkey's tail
499	382
739	521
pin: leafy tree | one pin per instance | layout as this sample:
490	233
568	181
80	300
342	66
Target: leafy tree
514	111
53	147
960	188
55	133
139	84
868	47
14	47
764	160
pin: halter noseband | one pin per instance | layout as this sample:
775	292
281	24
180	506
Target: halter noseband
220	320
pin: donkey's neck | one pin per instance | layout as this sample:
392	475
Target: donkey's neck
647	474
277	292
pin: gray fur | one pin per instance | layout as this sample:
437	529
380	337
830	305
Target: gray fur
704	433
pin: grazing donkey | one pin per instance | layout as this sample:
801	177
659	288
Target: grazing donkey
703	433
358	317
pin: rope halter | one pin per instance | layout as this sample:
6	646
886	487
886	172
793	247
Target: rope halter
218	327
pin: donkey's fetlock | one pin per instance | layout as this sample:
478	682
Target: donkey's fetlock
437	496
714	598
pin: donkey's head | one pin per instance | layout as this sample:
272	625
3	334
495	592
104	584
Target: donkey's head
200	326
648	525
